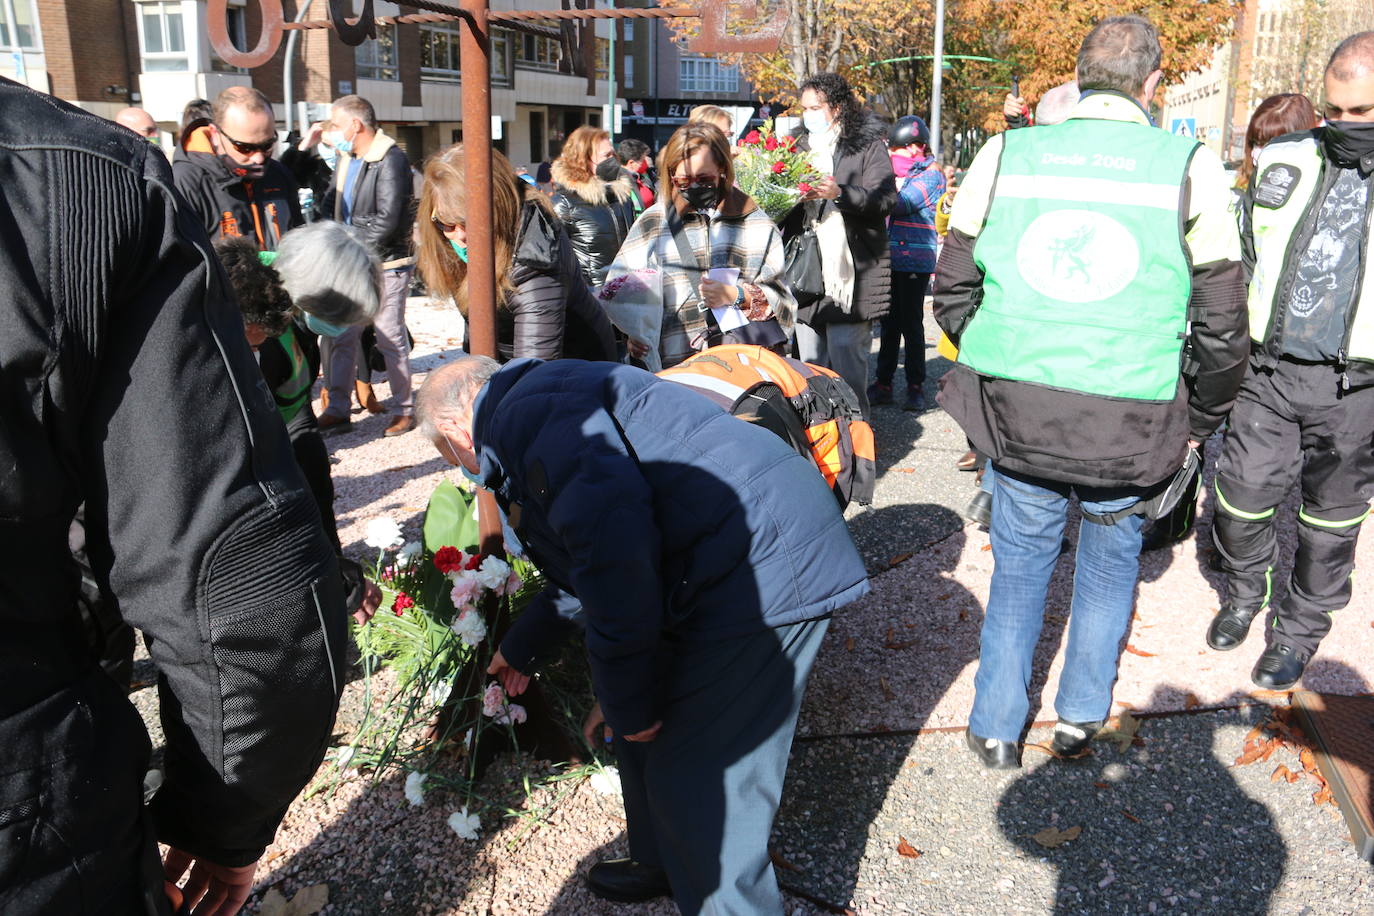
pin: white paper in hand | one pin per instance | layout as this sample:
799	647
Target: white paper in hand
728	317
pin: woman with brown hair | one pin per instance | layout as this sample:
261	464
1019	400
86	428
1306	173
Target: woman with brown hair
703	265
544	308
1277	115
595	199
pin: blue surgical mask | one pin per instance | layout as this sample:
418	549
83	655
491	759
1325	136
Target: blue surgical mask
340	143
329	155
815	121
322	327
460	250
513	545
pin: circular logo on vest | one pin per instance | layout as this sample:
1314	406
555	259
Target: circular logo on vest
1077	256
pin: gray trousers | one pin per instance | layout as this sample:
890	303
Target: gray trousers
701	797
341	355
841	346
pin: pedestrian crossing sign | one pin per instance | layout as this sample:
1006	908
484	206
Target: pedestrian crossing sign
1184	127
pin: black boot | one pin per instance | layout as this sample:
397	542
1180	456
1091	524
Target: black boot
627	881
1280	667
1229	627
996	755
1073	738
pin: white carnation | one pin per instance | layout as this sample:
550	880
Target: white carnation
606	781
464	824
470	628
415	789
492	573
409	552
383	533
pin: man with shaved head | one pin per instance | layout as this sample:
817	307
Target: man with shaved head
138	121
1306	410
237	188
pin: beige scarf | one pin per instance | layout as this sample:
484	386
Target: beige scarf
837	263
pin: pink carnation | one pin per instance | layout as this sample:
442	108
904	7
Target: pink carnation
466	590
513	583
494	700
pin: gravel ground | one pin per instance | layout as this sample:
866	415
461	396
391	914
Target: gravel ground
903	659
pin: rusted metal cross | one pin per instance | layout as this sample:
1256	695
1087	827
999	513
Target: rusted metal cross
475	64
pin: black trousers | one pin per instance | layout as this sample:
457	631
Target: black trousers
1289	425
904	321
701	797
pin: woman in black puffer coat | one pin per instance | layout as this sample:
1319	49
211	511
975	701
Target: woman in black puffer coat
544	308
595	200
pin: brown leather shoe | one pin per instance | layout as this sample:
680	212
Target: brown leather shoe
332	424
402	426
366	398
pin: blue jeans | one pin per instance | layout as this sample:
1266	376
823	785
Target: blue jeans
1027	523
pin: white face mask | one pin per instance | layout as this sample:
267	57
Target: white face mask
815	121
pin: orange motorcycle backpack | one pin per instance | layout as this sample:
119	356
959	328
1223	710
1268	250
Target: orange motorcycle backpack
809	407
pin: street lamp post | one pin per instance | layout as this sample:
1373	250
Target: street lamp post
937	79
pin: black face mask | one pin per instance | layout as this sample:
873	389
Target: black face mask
250	171
701	196
608	169
1350	143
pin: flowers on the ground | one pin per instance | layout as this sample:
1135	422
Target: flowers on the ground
383	534
470	628
771	170
448	560
464	824
345	756
402	603
499	709
415	789
606	781
466	590
408	553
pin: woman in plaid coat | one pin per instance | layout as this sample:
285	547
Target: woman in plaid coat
659	290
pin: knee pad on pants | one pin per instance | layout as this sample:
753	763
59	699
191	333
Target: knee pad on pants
1245	539
1326	556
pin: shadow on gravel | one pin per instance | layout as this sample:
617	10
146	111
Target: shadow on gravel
1163	827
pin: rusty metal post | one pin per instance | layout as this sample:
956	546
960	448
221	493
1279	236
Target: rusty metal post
475	57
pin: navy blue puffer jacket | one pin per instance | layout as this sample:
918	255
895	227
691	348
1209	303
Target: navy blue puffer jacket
657	517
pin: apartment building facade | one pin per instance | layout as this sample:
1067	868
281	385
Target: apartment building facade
105	54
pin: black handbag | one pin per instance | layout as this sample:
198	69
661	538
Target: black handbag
767	333
802	265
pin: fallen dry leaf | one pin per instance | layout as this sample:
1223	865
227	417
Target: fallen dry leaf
887	691
986	547
905	470
1142	653
1102	785
944	597
1124	705
849	644
1053	837
1129	816
899	559
780	862
1282	772
1190	701
906	850
1123	734
307	902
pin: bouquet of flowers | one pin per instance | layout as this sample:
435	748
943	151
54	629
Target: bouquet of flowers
773	171
431	635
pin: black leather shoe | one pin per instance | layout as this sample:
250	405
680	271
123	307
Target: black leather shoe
627	881
1279	667
1072	738
996	755
1229	627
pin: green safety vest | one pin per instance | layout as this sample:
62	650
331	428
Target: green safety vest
292	394
1086	278
1284	192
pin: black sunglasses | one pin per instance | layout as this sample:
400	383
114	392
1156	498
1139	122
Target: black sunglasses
443	226
248	149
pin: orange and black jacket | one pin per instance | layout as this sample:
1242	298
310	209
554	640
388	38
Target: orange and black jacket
262	209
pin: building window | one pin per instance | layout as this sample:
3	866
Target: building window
440	59
706	74
162	36
439	52
629	33
627	76
535	52
23	11
377	60
238	33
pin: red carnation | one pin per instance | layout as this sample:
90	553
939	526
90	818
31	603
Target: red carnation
448	559
402	603
804	187
752	138
474	562
770	144
779	167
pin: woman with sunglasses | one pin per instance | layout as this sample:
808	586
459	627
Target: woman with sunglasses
544	308
703	265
